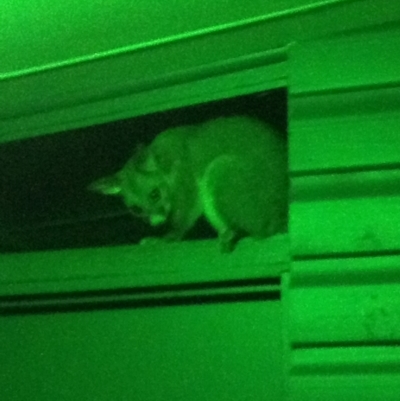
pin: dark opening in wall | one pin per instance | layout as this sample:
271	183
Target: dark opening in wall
44	202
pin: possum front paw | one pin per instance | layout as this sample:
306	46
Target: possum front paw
152	241
170	237
227	240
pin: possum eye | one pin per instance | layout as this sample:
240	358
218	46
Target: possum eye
155	195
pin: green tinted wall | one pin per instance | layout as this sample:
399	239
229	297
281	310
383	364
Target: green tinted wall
200	352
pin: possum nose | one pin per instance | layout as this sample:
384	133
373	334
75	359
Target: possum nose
157	219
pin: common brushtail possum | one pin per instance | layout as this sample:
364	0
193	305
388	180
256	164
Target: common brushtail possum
231	169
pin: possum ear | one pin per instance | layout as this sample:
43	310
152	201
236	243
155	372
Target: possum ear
109	185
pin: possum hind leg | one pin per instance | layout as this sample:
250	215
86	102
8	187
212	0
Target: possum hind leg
212	190
241	197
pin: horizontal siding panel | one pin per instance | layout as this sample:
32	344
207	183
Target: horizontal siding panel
342	359
163	93
345	301
347	142
352	315
350	129
345	213
347	184
362	374
345	226
361	59
122	267
332	103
